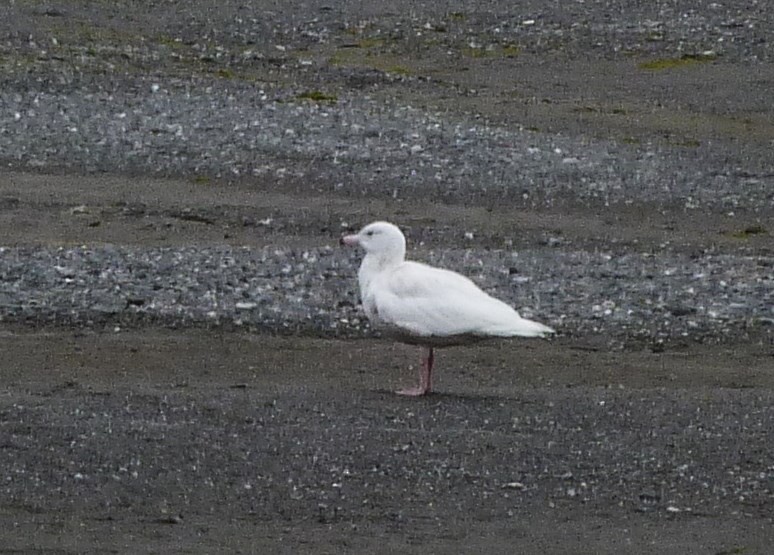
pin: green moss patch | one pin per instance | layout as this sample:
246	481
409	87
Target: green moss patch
492	51
398	70
317	96
372	59
370	42
750	231
660	64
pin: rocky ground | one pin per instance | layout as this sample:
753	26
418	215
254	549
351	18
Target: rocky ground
186	365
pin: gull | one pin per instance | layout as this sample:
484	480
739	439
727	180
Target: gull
422	305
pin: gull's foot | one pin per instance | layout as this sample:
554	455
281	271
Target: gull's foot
413	391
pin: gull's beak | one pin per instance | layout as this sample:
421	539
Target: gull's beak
349	240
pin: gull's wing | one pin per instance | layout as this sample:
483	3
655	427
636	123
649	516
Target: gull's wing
426	302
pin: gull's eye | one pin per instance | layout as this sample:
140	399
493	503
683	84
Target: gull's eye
370	233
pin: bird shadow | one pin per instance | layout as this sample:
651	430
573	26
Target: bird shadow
444	396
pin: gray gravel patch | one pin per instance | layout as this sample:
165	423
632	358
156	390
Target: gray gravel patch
641	297
356	145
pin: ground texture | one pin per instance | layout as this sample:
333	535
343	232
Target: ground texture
185	365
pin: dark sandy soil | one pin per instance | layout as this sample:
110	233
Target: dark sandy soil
199	442
206	441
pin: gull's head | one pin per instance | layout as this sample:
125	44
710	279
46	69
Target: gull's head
382	239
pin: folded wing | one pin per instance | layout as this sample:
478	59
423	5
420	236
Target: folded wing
431	302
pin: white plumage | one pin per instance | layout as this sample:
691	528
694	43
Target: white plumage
427	306
435	305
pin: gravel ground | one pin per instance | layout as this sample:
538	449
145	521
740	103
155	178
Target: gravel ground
125	96
327	475
624	297
232	131
176	174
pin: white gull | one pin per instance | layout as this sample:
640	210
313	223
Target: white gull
426	306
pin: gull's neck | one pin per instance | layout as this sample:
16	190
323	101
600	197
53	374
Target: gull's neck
376	263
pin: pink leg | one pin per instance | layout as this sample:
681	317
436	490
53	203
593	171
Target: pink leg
425	376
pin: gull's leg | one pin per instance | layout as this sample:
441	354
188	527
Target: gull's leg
425	376
428	361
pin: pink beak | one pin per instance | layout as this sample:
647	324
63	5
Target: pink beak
349	240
